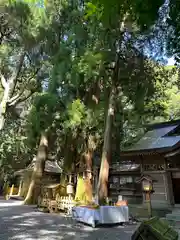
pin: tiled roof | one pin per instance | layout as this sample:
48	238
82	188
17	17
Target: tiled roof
123	167
51	166
156	139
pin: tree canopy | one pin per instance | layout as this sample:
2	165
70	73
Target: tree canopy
77	72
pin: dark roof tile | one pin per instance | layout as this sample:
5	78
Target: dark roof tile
155	139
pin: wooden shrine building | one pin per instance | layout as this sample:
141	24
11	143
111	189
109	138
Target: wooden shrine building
52	175
158	155
122	181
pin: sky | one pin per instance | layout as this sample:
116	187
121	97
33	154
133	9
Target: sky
170	62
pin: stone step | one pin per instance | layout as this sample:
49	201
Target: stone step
173	220
176	212
16	197
173	216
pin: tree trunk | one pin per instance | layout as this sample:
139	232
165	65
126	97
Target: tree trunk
88	182
88	162
105	160
118	129
3	105
106	151
91	100
69	152
2	121
34	188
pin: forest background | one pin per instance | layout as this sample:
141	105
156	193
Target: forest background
80	80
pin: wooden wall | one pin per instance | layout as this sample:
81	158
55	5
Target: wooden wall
47	178
124	184
156	166
162	195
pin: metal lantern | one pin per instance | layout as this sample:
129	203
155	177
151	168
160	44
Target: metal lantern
147	188
70	188
147	185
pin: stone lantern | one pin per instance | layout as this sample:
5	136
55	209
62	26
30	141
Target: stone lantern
70	189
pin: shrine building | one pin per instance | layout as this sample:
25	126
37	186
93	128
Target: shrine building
156	154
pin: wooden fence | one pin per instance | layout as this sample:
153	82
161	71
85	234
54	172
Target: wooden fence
59	204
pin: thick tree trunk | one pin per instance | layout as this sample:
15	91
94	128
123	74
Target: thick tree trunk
2	121
84	184
69	152
88	180
3	105
106	151
9	89
105	160
88	162
91	100
118	129
34	188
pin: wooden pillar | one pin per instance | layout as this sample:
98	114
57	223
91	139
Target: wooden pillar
142	171
11	191
20	187
96	179
148	202
170	194
141	164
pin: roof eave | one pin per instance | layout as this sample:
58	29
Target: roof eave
162	124
154	151
146	151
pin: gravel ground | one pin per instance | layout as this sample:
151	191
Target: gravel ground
25	222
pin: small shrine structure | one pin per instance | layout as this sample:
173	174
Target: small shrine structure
51	176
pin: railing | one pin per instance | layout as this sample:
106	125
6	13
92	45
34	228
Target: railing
61	203
64	203
11	191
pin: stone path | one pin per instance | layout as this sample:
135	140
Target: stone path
25	222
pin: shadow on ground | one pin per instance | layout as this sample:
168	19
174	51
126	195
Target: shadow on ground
25	222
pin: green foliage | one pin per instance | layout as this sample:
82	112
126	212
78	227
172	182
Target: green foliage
75	114
74	48
41	115
111	11
14	152
174	29
21	44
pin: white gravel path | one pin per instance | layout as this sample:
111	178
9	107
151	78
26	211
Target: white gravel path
19	222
